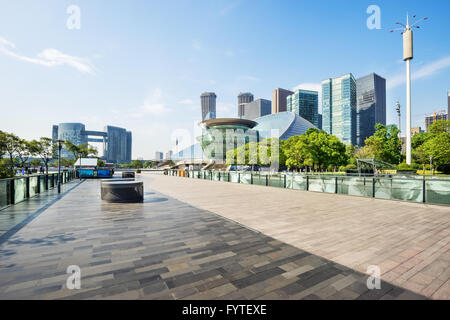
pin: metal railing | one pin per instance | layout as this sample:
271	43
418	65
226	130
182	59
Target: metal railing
18	189
420	189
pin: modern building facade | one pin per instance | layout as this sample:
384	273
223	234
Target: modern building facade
117	142
279	96
282	125
305	103
243	98
257	109
159	156
371	105
208	102
339	107
116	146
436	117
320	121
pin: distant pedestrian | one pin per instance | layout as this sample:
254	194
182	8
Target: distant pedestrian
23	171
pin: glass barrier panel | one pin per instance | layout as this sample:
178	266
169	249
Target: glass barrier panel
383	188
5	193
437	191
20	189
42	184
216	175
407	189
355	186
33	186
259	179
328	184
289	180
275	180
246	177
299	182
315	184
234	176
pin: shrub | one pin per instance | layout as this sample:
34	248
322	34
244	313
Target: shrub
404	166
351	166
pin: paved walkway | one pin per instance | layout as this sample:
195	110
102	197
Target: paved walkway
410	242
13	217
164	249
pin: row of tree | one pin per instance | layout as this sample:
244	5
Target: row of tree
321	151
16	152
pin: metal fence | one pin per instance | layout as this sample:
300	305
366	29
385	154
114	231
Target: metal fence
15	190
414	189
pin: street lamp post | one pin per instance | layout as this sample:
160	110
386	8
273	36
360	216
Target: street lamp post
408	55
60	142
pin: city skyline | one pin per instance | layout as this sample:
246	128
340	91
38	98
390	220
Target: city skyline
100	74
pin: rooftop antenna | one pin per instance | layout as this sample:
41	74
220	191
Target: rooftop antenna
407	33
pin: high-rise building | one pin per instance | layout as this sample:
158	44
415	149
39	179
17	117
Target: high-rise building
73	132
169	155
129	144
436	117
243	98
208	101
116	149
279	100
305	103
339	107
371	105
320	122
159	156
448	102
257	109
415	130
54	133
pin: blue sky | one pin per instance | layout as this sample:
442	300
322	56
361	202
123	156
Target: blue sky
142	64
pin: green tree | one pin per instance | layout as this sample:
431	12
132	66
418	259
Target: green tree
44	148
24	151
137	164
11	145
100	163
385	144
36	162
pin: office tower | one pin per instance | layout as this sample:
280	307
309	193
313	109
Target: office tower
339	107
371	106
169	155
159	156
73	132
320	122
436	117
243	98
117	148
257	108
54	133
448	103
304	103
279	100
129	144
208	101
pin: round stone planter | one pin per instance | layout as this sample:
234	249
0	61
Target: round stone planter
122	191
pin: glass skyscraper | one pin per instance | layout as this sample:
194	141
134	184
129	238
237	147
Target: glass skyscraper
257	109
371	106
339	107
305	103
208	102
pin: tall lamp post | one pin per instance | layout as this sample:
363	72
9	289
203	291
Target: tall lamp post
60	143
407	34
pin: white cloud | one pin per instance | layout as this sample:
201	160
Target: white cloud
426	71
153	105
186	101
48	58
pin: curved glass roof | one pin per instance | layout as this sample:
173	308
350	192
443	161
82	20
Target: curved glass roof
289	124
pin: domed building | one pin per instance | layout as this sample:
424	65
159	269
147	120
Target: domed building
281	125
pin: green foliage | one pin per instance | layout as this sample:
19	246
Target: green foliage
315	149
36	162
100	163
137	164
385	144
438	147
5	169
404	166
44	148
